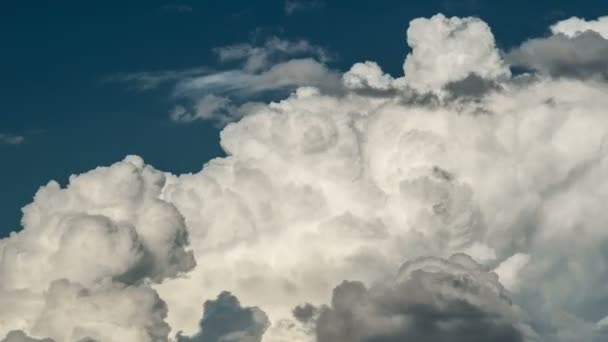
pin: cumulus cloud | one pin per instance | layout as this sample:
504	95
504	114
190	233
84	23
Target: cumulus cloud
430	299
79	266
225	320
450	49
575	26
490	187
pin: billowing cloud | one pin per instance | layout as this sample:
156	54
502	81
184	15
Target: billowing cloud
430	299
446	50
80	266
341	180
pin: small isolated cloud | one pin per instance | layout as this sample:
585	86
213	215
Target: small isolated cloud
11	139
292	6
177	8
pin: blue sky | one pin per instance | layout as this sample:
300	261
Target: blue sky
57	57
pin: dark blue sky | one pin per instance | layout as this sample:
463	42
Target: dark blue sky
55	56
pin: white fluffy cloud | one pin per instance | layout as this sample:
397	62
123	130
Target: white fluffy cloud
457	157
446	50
575	26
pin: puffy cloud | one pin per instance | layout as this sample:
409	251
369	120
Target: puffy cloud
342	180
225	320
575	26
430	299
110	313
368	75
450	49
82	249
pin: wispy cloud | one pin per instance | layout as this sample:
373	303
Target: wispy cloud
246	73
273	50
177	8
11	139
292	6
148	80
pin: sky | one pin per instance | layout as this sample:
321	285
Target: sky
58	56
304	171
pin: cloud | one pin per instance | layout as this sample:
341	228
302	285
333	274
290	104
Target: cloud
177	8
350	177
450	49
575	26
256	58
144	81
225	320
81	265
255	73
431	299
10	139
293	6
577	49
20	336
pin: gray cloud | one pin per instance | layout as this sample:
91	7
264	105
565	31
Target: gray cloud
20	336
581	56
225	320
431	300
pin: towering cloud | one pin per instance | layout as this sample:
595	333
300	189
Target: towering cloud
484	190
